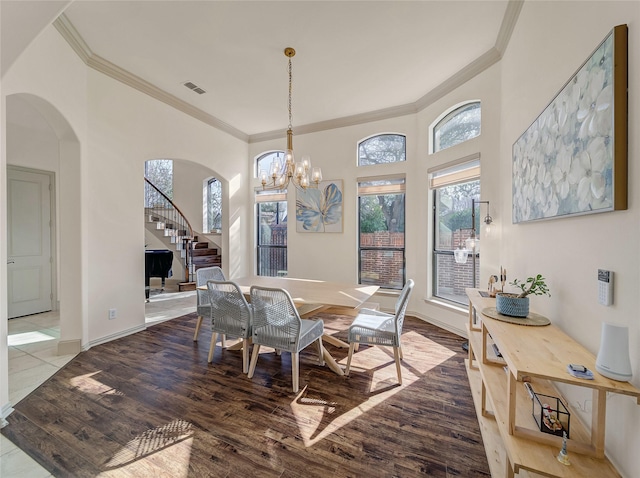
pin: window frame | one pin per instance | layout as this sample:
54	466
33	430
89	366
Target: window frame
369	138
279	198
210	229
148	189
462	171
390	189
445	117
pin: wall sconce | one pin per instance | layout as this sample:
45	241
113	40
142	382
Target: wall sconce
473	243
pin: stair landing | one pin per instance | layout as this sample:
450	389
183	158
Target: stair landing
185	286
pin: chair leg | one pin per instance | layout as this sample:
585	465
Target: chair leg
198	324
396	354
352	348
278	352
254	359
212	347
223	341
401	354
245	355
295	371
320	351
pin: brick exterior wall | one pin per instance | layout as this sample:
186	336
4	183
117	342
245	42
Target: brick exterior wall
383	268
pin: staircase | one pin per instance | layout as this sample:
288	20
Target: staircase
168	223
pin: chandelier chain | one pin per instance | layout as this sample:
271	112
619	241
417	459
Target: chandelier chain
290	89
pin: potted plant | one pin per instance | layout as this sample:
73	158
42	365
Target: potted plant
517	305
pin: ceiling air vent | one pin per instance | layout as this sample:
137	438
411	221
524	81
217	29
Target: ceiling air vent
194	87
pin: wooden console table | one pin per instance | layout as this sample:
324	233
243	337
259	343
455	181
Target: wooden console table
540	355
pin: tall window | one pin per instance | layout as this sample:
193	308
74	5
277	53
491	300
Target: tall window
459	125
214	205
381	238
160	173
271	213
382	149
453	189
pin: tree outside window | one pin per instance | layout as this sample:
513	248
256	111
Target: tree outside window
461	124
214	205
382	238
382	149
160	173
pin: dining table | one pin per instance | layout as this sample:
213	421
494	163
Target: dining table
311	296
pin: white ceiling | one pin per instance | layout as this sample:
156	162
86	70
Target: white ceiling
353	57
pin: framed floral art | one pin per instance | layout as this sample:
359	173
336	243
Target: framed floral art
320	209
573	158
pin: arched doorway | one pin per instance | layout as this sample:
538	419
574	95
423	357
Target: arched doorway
39	138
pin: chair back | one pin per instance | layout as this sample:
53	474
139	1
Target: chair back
276	322
401	305
230	312
203	275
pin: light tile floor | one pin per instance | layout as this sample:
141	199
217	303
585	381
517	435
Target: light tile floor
33	345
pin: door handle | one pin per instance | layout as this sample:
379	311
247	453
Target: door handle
11	262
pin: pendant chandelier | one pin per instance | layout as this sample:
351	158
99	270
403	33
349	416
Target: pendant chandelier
300	173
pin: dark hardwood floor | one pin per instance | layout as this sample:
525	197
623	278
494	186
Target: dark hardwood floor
150	405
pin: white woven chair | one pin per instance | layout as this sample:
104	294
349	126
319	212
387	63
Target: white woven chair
372	327
277	324
230	315
203	306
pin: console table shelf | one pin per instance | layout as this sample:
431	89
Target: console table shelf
539	355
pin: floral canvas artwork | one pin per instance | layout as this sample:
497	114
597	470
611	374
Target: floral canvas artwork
564	162
320	209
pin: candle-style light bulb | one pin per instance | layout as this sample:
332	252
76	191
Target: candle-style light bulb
316	175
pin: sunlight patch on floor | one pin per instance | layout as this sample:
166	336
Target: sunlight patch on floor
87	384
28	338
161	451
311	412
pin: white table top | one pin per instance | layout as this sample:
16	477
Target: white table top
309	291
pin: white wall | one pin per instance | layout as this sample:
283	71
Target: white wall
126	128
569	251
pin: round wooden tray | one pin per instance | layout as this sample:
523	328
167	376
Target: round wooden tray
532	319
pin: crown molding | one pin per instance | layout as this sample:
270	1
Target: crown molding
508	24
489	58
73	38
392	112
473	69
71	35
114	71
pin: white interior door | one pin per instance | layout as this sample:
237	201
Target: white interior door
28	242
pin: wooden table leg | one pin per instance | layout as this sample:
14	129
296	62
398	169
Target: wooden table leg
331	362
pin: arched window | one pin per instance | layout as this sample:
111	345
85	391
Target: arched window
460	124
263	162
382	149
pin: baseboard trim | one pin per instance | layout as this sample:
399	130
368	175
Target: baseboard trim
69	347
118	335
443	325
6	411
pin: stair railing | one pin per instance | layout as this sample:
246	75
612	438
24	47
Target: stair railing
158	204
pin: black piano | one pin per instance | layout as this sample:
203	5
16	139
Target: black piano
157	263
